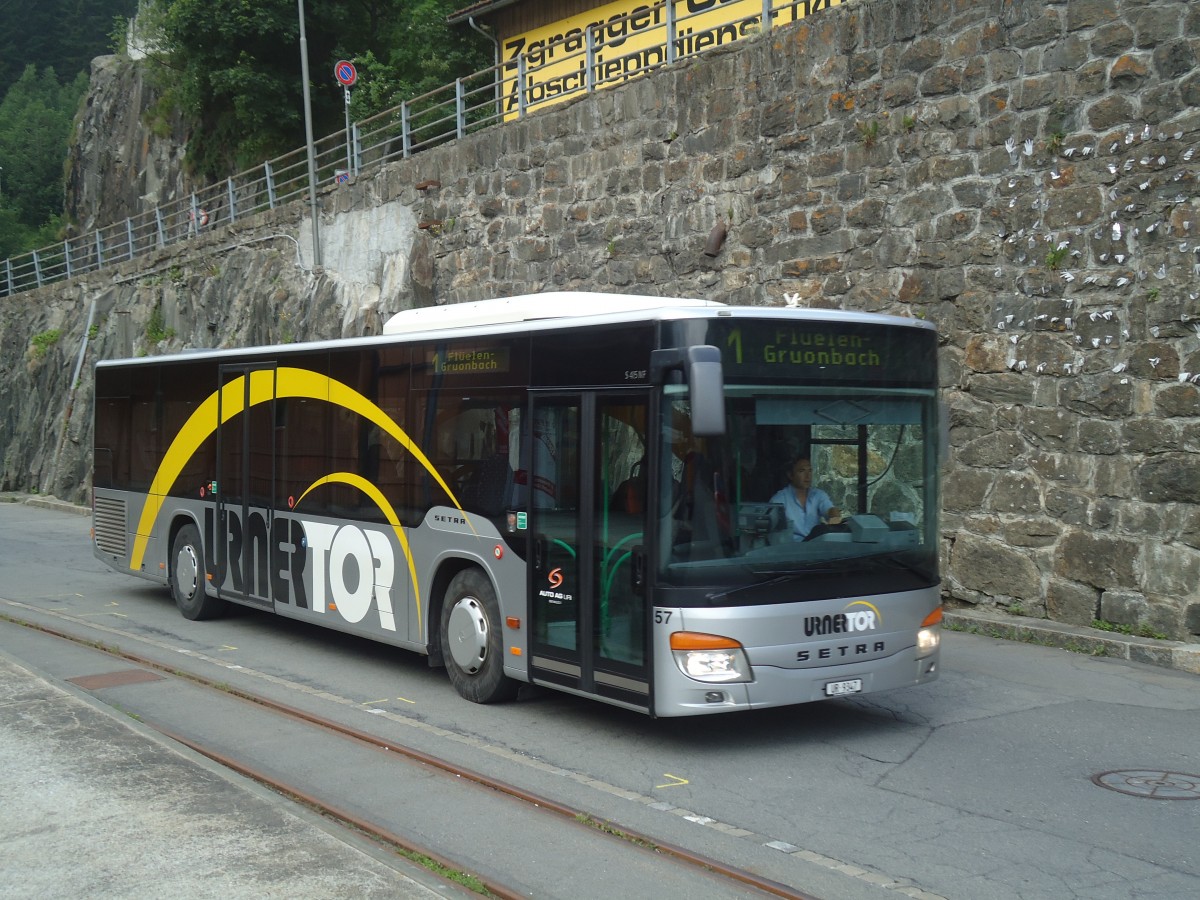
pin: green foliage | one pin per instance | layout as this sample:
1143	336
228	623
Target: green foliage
16	237
1133	631
1055	257
35	124
233	68
44	341
61	34
868	132
46	49
416	52
156	329
117	33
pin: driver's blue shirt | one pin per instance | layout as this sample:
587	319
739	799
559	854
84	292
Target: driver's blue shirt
803	518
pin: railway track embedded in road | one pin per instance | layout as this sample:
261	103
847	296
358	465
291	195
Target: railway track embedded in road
738	881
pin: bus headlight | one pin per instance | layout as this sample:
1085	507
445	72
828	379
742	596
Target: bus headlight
929	638
709	657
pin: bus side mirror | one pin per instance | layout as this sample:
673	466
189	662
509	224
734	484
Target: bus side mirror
701	364
707	389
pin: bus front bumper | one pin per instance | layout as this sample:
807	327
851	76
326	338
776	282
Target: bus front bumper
776	686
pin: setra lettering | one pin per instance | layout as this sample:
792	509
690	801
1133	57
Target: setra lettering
840	651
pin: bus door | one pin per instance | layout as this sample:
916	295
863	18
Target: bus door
245	482
587	505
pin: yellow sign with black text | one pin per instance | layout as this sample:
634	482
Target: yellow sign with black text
629	38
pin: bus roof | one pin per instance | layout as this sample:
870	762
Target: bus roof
535	312
527	307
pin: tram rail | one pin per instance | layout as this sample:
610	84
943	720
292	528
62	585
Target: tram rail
736	881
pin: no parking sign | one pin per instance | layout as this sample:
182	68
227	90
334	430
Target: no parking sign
345	73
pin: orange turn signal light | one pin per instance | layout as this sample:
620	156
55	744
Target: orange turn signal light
934	618
694	640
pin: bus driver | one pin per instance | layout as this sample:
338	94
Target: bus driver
806	507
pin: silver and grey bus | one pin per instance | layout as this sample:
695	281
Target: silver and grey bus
582	491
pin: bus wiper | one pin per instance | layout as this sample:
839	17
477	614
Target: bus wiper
779	578
901	564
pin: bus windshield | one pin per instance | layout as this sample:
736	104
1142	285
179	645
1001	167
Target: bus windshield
811	484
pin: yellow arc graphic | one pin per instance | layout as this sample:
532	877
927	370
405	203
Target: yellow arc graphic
269	384
869	605
376	495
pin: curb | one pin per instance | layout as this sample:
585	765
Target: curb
1165	654
46	502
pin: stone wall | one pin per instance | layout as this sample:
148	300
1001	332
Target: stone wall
1021	172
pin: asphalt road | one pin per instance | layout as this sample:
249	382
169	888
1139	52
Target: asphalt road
979	785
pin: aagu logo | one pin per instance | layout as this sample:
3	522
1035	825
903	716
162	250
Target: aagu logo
551	593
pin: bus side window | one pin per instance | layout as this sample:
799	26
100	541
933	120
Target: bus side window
488	488
630	495
475	449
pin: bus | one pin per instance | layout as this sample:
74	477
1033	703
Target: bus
576	490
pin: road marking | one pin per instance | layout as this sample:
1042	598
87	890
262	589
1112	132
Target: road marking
388	700
676	781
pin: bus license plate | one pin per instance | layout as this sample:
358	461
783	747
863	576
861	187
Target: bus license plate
837	688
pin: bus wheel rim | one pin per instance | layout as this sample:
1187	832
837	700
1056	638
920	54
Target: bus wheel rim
185	570
467	635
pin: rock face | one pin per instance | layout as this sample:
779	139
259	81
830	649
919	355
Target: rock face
118	166
1023	174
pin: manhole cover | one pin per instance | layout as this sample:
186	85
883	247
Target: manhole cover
1153	783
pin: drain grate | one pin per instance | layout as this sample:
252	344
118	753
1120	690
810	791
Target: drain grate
1153	783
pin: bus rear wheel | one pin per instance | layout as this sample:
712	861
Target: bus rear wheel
188	577
471	640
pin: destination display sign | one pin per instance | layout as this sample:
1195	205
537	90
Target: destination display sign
460	360
826	351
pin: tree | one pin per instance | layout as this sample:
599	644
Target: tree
35	123
41	43
233	67
418	53
61	34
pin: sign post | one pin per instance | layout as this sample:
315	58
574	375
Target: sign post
308	135
346	75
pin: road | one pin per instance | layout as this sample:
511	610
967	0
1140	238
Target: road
979	785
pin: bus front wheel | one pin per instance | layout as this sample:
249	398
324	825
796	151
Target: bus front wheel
188	577
471	640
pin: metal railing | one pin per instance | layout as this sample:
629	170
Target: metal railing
602	55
